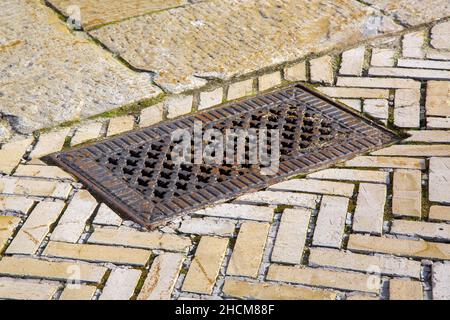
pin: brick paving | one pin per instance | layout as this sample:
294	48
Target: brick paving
373	227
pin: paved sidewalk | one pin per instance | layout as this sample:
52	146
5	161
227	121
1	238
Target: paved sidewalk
374	227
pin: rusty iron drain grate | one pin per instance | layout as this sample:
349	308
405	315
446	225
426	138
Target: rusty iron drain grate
135	174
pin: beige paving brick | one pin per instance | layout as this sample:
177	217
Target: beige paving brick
407	108
296	72
331	222
248	250
316	186
72	223
238	211
324	278
369	210
386	162
409	73
97	253
19	289
178	106
351	175
389	265
322	70
439	213
120	284
11	153
146	240
441	280
208	226
440	35
240	89
407	198
31	267
381	83
49	172
266	291
78	292
361	297
205	266
439	180
438	123
268	81
49	143
7	226
15	203
291	236
383	57
352	103
35	228
86	132
119	125
161	278
400	247
37	188
280	198
105	216
424	64
431	136
378	108
426	230
400	289
438	54
353	61
436	150
341	92
151	115
413	44
209	99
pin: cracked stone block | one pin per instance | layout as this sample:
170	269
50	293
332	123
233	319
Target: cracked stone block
65	75
407	108
195	36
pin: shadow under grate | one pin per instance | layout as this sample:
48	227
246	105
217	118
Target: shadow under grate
137	176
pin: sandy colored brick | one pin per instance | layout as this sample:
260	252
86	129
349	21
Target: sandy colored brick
72	223
97	253
49	143
351	175
431	136
7	226
240	89
11	154
399	247
35	187
386	162
205	266
353	61
37	171
381	83
249	249
369	210
178	106
439	36
438	123
341	92
268	81
15	203
441	280
119	125
413	44
151	115
415	150
439	180
400	289
19	289
378	108
267	291
86	132
146	240
78	292
410	73
426	230
438	54
383	57
407	108
162	276
331	222
438	98
322	70
324	278
238	211
296	72
280	198
35	228
31	267
407	198
316	186
389	265
439	213
361	297
121	284
355	104
424	64
208	226
105	216
209	99
291	236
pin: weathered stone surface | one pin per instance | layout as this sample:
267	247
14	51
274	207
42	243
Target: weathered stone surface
425	64
120	124
86	132
178	105
7	226
413	45
121	284
37	188
280	198
378	83
441	281
15	203
40	171
198	51
438	123
340	92
386	162
151	115
426	230
316	186
238	211
26	290
439	184
296	72
400	289
353	61
414	12
438	54
370	208
440	35
352	103
240	89
437	150
95	13
439	213
410	73
351	175
322	70
438	98
378	108
209	99
49	142
431	136
407	108
80	292
209	226
407	199
11	153
105	216
65	75
382	57
268	81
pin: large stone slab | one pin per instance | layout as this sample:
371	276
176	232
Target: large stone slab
227	38
414	12
49	75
